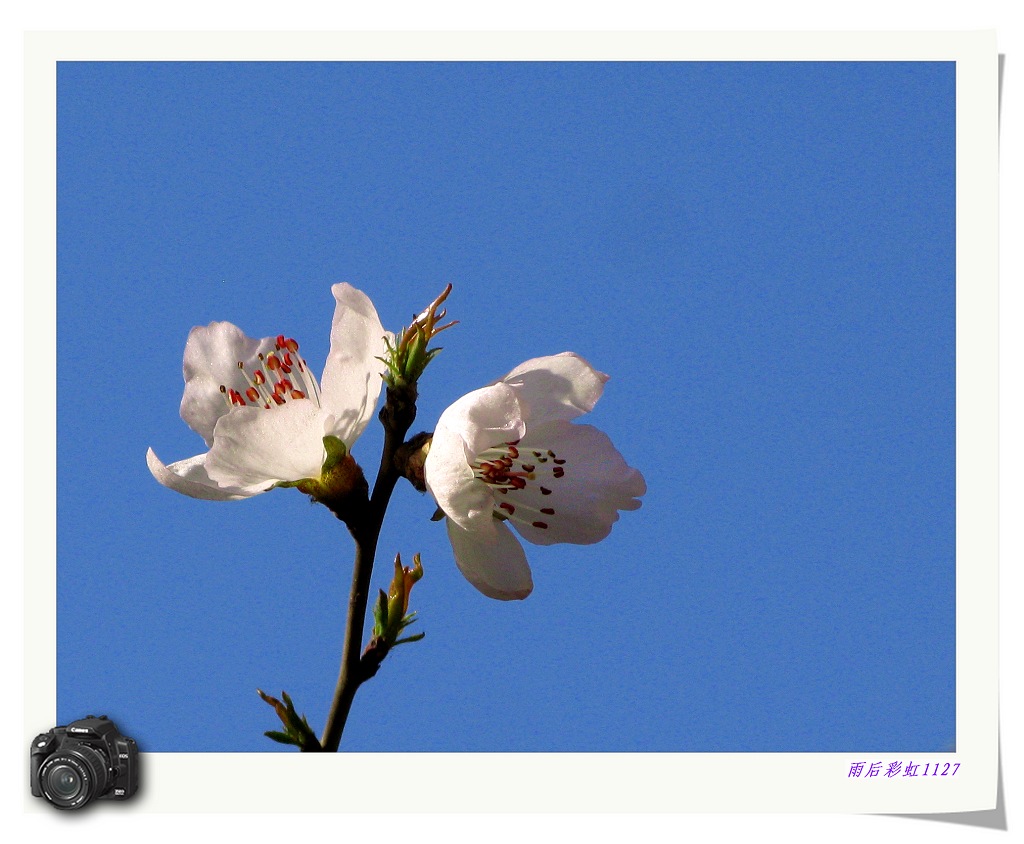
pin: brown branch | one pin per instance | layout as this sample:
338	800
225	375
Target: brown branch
396	416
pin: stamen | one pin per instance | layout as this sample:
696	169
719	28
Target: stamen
274	389
500	469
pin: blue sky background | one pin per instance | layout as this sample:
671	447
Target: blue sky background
761	255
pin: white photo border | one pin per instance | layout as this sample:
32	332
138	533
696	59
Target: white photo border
563	782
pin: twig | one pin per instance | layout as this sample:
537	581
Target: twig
396	416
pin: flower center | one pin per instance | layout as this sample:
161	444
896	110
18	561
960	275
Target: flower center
529	474
281	375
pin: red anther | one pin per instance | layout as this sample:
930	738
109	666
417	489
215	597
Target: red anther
252	394
540	525
513	452
558	471
529	467
508	508
277	399
273	364
298	394
518	483
291	345
287	359
558	461
286	368
258	377
236	398
280	341
547	511
545	491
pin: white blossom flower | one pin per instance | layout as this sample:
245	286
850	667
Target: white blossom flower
260	409
508	454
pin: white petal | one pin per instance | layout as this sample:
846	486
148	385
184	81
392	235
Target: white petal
556	387
595	484
485	418
476	422
212	353
190	477
451	481
351	382
492	560
256	446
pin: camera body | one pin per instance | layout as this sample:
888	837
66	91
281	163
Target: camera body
88	759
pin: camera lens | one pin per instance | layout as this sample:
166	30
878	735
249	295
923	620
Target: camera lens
73	776
63	781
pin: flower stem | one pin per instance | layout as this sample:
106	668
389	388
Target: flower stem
396	416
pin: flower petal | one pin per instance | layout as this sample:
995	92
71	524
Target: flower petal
556	387
256	446
451	481
211	360
580	504
189	477
492	560
484	418
351	381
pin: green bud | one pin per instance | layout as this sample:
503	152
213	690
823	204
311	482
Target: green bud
380	614
296	728
409	355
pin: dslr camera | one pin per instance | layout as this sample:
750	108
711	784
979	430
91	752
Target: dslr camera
86	760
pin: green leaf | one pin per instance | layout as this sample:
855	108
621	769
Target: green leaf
380	613
336	452
415	638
